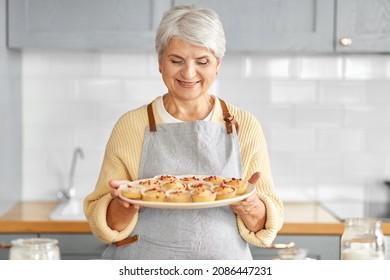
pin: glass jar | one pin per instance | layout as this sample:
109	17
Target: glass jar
34	249
293	254
362	239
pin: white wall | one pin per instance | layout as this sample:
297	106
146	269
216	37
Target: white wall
326	118
10	119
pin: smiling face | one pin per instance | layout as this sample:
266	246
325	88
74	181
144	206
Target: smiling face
187	70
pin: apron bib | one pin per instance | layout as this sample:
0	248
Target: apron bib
199	148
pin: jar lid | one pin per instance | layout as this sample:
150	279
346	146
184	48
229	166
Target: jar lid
362	221
34	243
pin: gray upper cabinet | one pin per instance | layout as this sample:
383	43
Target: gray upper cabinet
275	25
84	24
363	26
269	26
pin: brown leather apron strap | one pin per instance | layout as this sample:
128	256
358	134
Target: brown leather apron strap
126	241
229	119
152	122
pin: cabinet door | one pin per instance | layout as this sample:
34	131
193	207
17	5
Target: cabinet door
275	25
363	26
321	247
78	246
84	24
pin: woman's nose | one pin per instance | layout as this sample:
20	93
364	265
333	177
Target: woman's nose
188	71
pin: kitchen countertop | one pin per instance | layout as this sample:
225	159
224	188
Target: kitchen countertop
33	217
300	218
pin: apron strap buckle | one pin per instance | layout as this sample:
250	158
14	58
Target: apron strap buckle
127	241
229	119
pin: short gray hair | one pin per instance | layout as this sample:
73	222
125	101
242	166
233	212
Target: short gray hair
196	25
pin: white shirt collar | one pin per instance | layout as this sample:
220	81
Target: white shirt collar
168	118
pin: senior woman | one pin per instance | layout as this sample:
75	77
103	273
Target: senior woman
185	131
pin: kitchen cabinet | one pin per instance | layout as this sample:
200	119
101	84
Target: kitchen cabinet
268	26
314	26
84	24
320	247
72	246
275	25
78	246
363	26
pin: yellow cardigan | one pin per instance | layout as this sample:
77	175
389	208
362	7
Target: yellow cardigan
122	163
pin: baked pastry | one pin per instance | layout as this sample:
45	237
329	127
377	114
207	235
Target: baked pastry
225	191
239	184
188	179
154	194
180	195
215	180
203	195
149	183
200	185
131	191
165	178
173	185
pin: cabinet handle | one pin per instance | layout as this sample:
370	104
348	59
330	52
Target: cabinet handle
345	41
6	246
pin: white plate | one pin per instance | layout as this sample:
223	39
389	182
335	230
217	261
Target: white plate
190	205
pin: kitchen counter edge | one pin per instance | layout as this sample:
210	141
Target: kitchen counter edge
33	217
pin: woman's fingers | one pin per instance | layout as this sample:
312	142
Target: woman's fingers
254	178
246	204
116	183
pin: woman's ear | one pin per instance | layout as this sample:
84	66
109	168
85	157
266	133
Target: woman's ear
218	65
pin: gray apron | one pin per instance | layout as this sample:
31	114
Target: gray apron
199	148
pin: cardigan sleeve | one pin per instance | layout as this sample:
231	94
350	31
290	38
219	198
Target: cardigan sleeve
96	204
255	158
119	163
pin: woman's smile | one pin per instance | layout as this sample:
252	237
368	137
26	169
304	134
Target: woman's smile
188	85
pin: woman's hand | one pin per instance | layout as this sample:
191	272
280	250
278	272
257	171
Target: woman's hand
251	210
119	212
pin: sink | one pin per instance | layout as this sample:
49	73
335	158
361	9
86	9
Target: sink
70	210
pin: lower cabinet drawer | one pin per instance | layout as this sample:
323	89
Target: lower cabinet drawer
321	247
78	246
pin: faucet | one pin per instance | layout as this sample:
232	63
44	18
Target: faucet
70	192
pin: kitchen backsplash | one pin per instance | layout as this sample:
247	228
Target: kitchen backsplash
326	117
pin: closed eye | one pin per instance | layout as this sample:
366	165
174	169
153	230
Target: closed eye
202	62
